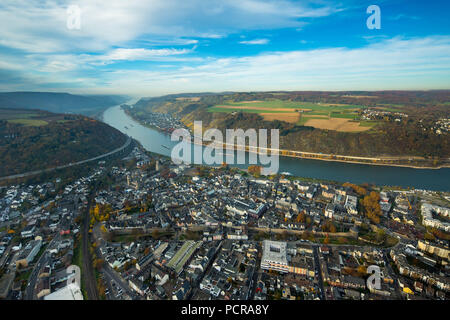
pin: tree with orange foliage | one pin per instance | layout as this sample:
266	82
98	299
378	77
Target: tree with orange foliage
372	207
254	170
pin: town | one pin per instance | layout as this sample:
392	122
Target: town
145	228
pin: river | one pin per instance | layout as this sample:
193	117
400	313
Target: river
429	179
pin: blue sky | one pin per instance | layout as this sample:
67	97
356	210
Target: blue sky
149	48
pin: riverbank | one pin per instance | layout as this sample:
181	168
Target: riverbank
341	171
374	161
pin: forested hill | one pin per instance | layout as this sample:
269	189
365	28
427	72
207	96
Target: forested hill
59	102
33	140
366	124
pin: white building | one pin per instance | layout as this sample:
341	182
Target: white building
69	292
274	256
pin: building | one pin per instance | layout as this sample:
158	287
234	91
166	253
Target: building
274	256
429	212
69	292
351	203
434	249
28	253
28	232
181	257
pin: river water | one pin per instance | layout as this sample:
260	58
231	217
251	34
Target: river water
158	142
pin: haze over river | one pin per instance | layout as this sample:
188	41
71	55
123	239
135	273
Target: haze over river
431	179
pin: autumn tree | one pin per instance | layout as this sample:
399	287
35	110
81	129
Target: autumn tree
254	170
371	206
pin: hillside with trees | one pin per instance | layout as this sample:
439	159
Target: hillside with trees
59	102
40	140
421	131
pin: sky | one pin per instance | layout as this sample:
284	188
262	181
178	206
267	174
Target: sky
156	47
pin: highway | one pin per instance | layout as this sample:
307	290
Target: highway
32	173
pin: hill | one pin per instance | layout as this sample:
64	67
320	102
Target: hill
59	102
34	139
410	124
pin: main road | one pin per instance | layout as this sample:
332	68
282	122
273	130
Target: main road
32	173
42	261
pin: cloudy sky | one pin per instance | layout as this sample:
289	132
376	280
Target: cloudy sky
156	47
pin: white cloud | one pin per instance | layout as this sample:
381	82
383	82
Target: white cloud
40	26
255	41
421	63
391	64
138	54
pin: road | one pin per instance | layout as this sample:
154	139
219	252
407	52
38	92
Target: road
42	261
32	173
318	272
88	269
111	276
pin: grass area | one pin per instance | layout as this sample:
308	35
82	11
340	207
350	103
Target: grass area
391	107
29	122
351	116
281	104
24	275
368	123
303	120
77	259
11	115
339	117
246	110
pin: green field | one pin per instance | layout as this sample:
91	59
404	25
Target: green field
272	106
227	110
29	122
24	117
303	120
10	115
332	115
368	123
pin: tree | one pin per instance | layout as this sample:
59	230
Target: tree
254	170
98	264
372	207
381	234
155	234
362	270
301	217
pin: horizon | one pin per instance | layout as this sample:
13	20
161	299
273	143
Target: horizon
171	47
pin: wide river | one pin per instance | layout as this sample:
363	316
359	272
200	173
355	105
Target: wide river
430	179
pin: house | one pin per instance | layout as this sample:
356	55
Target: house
28	253
43	287
182	292
351	203
28	232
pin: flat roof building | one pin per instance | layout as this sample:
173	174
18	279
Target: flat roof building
69	292
274	256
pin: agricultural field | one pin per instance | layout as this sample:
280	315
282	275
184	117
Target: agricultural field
26	117
337	124
11	114
29	122
338	117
